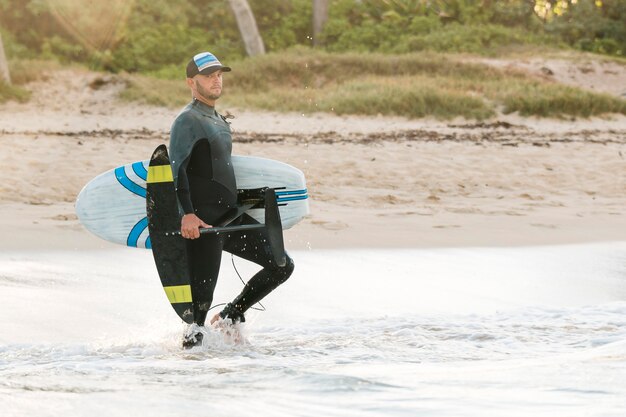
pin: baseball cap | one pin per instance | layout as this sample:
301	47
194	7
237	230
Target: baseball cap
204	63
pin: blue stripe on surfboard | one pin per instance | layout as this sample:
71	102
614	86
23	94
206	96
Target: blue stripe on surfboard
137	230
148	243
127	183
300	197
140	170
281	193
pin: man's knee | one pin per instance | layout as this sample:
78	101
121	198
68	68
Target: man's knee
284	272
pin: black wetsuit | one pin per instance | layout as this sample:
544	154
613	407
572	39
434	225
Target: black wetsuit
200	153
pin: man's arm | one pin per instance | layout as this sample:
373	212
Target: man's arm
190	223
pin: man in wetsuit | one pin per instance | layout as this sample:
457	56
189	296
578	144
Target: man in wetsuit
200	153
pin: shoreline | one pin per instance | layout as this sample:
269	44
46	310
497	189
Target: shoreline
55	227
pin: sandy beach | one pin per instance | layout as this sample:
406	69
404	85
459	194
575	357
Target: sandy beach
374	182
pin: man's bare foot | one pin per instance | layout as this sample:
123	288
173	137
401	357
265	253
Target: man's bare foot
230	330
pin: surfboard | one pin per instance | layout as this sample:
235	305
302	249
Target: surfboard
113	205
169	250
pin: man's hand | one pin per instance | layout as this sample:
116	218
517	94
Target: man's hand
190	226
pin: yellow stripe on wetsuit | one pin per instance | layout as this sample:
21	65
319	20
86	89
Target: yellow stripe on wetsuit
159	173
178	294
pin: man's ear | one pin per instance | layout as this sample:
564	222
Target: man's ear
190	83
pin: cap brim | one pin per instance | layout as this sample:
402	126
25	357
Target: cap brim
211	70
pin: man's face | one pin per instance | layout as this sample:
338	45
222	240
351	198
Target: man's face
208	87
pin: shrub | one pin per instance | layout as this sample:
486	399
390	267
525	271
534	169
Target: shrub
151	48
592	28
284	23
156	34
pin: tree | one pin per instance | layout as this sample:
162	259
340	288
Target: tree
4	65
247	27
320	16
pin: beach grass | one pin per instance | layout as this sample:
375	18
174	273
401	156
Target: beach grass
13	92
24	71
411	85
550	100
155	91
413	97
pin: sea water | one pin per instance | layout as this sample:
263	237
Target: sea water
501	332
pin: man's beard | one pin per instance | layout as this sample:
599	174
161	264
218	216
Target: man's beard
206	93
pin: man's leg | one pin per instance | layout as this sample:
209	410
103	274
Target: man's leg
253	246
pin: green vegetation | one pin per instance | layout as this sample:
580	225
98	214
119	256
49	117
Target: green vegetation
371	95
411	85
150	35
386	26
376	56
557	100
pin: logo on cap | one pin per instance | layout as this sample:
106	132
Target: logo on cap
206	60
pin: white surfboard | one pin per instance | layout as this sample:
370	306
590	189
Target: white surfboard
113	205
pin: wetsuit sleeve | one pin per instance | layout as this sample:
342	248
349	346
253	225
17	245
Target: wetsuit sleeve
181	143
182	190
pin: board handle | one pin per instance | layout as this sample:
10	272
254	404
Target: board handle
222	229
